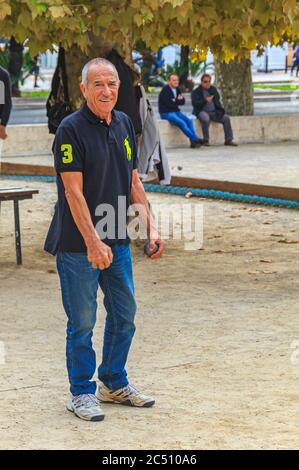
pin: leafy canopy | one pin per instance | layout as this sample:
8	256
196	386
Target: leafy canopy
227	27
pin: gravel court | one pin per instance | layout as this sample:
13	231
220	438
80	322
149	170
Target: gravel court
214	341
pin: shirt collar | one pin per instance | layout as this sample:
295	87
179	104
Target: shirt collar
174	91
93	119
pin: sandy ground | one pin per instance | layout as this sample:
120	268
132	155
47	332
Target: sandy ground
215	330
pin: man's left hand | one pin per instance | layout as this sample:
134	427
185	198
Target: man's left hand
161	247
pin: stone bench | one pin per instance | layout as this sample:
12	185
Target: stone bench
35	139
247	129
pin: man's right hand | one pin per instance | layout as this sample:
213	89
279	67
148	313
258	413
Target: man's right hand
209	98
3	132
99	254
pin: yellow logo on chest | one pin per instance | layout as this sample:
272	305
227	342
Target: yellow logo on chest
128	148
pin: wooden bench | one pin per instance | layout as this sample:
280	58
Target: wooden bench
16	195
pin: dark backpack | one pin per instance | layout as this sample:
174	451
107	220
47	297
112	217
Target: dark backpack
126	101
58	105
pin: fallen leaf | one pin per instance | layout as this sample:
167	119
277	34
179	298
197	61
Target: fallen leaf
266	261
257	209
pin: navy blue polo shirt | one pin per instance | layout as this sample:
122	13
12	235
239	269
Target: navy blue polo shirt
106	156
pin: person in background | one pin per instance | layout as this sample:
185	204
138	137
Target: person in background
170	98
295	60
5	106
5	102
207	107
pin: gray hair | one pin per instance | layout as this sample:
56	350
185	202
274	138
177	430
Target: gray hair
97	61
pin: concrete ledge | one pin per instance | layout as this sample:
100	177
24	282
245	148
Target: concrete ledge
22	169
27	139
36	140
247	129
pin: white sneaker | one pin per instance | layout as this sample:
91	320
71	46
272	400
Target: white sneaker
86	406
128	395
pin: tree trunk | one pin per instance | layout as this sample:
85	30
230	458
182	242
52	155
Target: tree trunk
74	62
235	83
75	59
147	62
184	67
15	64
146	69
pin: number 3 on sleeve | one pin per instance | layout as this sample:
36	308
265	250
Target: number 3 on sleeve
67	150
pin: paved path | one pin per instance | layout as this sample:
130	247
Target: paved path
219	325
37	114
269	164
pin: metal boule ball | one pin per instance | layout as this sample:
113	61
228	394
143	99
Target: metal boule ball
147	249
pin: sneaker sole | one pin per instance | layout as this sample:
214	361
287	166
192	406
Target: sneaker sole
129	403
94	418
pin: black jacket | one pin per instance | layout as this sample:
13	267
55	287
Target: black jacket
5	100
167	102
199	101
126	101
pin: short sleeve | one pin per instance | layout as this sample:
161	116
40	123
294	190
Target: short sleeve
68	153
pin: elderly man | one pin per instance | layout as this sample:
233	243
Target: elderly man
95	161
170	98
207	107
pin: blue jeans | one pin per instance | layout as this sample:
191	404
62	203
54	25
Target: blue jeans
183	122
79	285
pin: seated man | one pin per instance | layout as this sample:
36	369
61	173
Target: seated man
169	100
207	107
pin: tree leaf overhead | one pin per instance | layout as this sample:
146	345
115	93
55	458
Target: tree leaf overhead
228	28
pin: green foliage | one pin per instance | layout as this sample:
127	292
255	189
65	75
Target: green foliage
198	68
175	68
4	58
228	28
27	64
195	69
34	94
262	86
